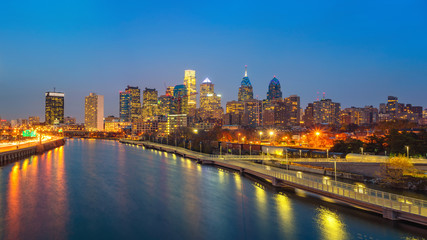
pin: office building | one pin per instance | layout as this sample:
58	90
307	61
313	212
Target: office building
94	112
245	89
54	108
274	89
190	84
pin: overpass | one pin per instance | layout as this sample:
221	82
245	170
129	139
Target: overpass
390	206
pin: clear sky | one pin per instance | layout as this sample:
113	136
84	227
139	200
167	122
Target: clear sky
358	52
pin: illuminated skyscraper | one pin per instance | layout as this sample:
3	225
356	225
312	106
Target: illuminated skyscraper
165	105
326	112
245	89
190	83
54	108
125	106
274	91
210	103
149	104
180	99
94	112
130	104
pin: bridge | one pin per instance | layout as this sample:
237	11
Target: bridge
390	206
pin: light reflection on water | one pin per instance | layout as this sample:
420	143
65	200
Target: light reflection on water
330	225
104	189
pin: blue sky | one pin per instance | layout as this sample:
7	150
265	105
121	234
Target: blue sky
358	52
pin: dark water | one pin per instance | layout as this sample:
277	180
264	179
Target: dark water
91	189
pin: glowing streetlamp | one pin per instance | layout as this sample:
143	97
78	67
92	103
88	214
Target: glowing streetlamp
407	151
260	134
271	135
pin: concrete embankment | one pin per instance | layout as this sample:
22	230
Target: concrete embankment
18	154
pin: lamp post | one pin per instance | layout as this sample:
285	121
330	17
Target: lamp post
335	168
327	153
361	149
287	163
271	134
260	134
407	151
250	149
300	153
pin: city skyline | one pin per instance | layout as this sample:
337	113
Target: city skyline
319	96
357	55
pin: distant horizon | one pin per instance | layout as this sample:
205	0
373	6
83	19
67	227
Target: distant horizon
357	52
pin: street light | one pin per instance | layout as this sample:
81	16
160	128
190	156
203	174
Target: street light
407	151
260	134
271	134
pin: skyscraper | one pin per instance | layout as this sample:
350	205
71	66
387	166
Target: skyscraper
125	106
210	103
54	108
245	89
94	112
326	112
190	83
274	91
181	101
135	102
149	104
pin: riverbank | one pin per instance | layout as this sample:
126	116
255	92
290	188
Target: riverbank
21	153
388	205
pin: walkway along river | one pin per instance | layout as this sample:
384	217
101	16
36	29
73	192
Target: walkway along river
391	206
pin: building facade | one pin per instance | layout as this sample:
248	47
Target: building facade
274	89
54	108
245	89
94	112
190	84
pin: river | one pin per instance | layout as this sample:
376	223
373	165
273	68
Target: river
100	189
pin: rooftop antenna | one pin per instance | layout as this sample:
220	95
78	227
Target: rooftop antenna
317	98
54	89
246	70
324	95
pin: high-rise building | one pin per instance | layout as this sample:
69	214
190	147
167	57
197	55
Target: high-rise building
54	108
166	105
308	115
392	106
125	106
252	113
190	83
234	113
326	112
94	112
180	99
130	104
245	89
293	115
274	90
149	104
210	103
169	91
135	102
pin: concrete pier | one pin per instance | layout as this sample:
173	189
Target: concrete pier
18	154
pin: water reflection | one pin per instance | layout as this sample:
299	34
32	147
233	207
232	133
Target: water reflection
25	182
330	224
285	215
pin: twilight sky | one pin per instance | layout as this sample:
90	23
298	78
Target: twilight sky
357	52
